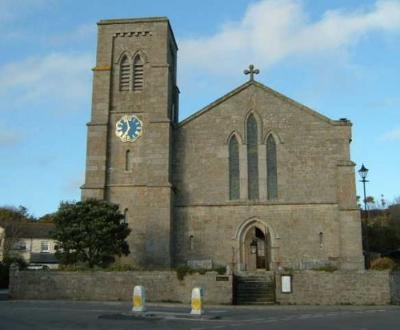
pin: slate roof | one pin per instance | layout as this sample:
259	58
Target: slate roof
37	230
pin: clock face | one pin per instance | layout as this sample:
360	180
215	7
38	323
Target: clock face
129	128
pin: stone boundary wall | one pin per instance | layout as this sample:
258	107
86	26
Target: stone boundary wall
308	287
161	286
395	288
340	288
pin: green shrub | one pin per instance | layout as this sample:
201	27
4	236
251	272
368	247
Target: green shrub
74	268
120	268
201	271
221	270
91	232
182	271
384	263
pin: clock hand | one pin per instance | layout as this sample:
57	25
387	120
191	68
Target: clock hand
127	130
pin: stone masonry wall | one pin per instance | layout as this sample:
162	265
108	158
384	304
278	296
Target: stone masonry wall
139	184
340	288
294	233
316	192
395	287
161	286
309	149
308	287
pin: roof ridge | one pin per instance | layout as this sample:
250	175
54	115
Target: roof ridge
260	85
215	103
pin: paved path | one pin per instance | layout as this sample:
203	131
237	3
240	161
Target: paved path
21	315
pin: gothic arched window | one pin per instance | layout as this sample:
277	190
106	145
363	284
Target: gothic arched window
138	79
252	157
124	74
234	172
272	171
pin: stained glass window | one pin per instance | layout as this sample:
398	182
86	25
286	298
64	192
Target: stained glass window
234	171
272	175
252	157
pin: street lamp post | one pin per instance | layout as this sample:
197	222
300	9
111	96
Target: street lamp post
363	171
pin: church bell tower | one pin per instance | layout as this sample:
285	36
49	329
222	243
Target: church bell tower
129	144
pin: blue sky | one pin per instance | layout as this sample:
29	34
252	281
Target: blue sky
341	58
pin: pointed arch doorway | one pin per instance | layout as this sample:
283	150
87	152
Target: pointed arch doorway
255	251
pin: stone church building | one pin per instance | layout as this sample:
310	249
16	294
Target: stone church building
254	180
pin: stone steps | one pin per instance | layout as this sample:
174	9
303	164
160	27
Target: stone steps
254	289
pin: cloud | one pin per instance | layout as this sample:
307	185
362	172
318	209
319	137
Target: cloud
271	31
392	135
63	78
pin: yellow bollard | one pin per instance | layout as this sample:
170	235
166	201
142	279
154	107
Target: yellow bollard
139	299
197	301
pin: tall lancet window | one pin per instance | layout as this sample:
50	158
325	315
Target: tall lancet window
124	74
252	157
272	170
128	160
138	75
234	172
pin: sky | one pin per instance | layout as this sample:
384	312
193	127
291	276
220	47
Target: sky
339	57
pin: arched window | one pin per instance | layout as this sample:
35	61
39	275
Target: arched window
138	79
252	157
234	172
127	160
272	171
125	216
124	74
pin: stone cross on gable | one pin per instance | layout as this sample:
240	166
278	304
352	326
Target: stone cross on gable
251	71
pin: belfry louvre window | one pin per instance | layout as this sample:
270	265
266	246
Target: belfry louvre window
138	74
234	172
124	74
252	157
272	170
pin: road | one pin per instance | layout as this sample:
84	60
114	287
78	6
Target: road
52	315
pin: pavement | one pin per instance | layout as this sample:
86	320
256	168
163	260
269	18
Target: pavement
21	315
